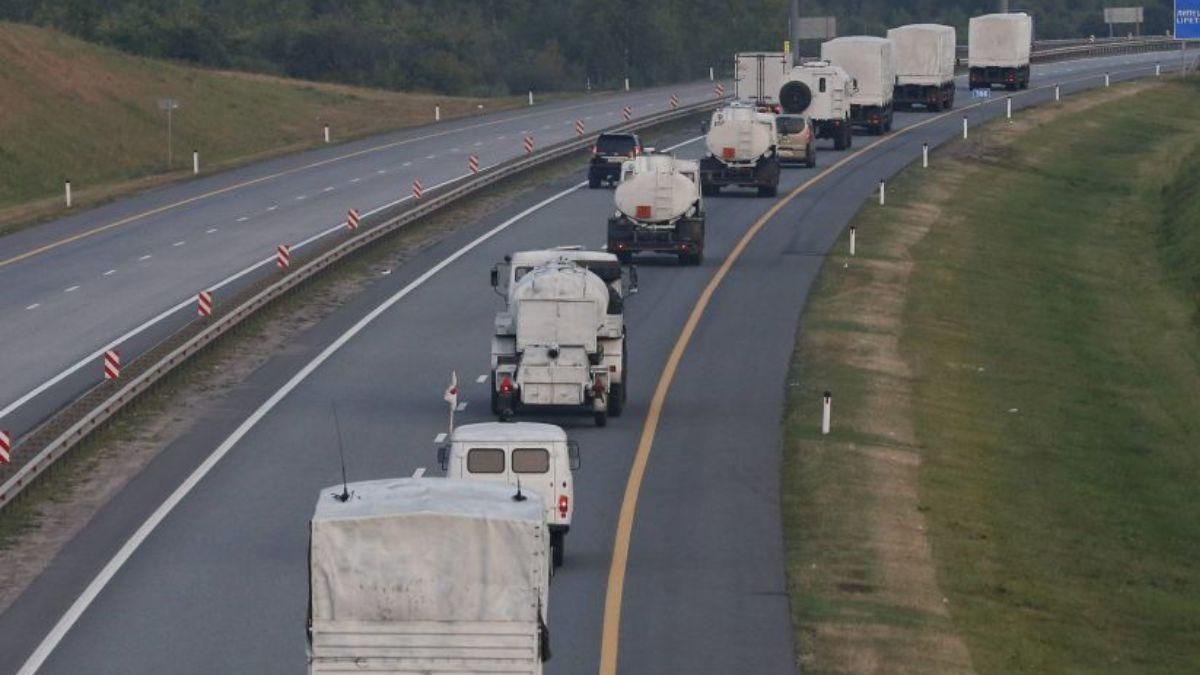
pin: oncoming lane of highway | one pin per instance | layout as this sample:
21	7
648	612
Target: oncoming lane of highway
704	582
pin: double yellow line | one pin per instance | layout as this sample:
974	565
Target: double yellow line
611	632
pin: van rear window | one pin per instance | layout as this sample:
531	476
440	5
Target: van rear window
485	460
530	460
615	145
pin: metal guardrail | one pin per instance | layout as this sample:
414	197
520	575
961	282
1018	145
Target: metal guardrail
1084	46
58	436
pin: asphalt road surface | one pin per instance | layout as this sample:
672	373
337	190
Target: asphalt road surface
71	288
217	581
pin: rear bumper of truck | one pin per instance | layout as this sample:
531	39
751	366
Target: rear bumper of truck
625	236
764	173
987	76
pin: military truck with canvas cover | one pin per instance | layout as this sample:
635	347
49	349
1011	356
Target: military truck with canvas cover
741	151
871	64
659	209
428	575
560	341
822	92
998	47
925	56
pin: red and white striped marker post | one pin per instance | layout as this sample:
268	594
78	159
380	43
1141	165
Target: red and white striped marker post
5	447
283	256
673	101
719	90
204	303
579	127
112	364
417	189
627	113
529	145
352	219
473	163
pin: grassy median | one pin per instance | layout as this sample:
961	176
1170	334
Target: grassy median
1013	479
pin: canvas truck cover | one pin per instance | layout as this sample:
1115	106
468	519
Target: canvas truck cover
925	53
427	549
559	303
1000	40
870	61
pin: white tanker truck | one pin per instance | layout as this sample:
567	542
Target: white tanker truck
741	151
560	341
659	209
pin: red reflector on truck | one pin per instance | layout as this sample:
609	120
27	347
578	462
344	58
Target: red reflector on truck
564	503
728	153
643	211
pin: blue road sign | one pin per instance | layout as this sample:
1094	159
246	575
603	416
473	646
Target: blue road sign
987	93
1187	19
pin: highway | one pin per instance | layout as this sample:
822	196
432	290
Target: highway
198	566
127	273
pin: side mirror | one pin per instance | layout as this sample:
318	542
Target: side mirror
633	280
443	456
573	454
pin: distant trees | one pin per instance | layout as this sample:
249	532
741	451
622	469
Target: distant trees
499	46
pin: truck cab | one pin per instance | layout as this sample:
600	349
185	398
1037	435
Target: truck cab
536	458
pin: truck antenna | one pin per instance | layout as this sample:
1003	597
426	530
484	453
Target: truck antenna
519	497
345	496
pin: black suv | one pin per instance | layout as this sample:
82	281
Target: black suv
609	152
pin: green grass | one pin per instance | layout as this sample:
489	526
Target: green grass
1050	347
78	110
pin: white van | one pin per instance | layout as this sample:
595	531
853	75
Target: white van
536	457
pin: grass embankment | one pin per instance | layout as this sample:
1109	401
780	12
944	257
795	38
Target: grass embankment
71	109
1011	484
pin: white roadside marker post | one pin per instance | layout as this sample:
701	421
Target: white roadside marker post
67	188
964	127
711	74
1158	70
326	133
1008	107
826	412
882	193
1107	81
1057	92
531	97
925	155
195	162
627	84
437	113
853	237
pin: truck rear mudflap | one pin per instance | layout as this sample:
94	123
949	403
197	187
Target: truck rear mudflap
685	237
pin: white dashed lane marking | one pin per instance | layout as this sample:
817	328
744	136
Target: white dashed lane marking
146	257
461	406
178	243
272	207
301	198
355	180
430	156
210	230
381	171
110	273
328	189
243	219
439	438
419	472
34	305
71	289
481	379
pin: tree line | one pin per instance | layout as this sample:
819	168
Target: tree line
500	47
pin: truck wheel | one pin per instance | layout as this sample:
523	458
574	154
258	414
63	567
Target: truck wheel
601	418
624	257
616	399
593	182
839	141
557	546
768	191
708	190
496	409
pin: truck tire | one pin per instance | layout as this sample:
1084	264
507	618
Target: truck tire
557	548
601	418
709	189
810	160
593	182
618	392
839	141
496	409
767	191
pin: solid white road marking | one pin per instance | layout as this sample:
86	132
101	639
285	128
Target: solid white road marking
440	437
71	289
419	472
110	273
481	379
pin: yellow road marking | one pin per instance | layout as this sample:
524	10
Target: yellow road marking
611	631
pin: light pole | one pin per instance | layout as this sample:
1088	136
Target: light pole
169	105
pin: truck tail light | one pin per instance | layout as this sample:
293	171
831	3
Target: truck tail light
506	385
564	503
595	151
598	385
